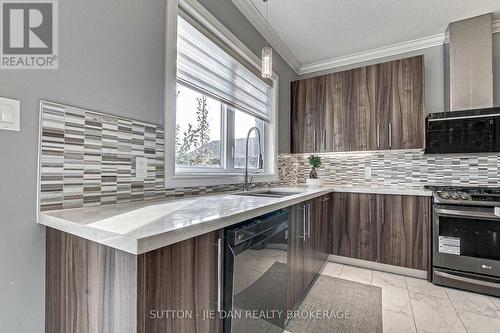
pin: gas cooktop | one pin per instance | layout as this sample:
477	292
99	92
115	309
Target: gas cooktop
489	196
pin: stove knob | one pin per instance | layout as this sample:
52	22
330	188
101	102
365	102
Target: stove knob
444	195
464	196
455	195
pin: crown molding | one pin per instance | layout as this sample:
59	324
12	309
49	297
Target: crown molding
495	26
253	15
382	52
386	51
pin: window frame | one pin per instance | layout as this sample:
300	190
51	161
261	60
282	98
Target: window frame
199	176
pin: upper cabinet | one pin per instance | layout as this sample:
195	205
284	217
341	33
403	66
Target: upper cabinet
377	107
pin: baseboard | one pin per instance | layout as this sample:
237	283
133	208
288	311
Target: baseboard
378	266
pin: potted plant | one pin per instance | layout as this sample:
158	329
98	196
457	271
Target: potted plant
315	162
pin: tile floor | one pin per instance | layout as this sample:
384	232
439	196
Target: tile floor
415	305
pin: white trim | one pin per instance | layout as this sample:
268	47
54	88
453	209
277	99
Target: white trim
382	52
495	26
170	86
173	180
416	273
253	15
248	9
191	180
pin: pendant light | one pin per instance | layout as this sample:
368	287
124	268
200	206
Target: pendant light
267	52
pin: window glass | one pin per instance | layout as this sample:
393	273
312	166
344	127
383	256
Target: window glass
198	129
243	122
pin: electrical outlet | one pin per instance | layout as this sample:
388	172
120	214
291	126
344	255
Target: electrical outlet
141	167
368	172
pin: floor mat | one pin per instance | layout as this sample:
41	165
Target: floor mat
339	306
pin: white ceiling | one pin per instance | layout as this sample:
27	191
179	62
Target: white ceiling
319	31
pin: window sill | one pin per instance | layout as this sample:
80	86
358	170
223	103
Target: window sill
196	179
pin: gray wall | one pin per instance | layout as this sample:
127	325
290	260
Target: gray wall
112	60
232	18
434	73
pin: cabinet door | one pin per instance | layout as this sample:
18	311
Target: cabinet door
310	248
307	106
318	237
185	276
354	226
407	117
403	231
295	281
326	221
363	123
338	103
383	104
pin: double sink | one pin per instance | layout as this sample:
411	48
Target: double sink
267	194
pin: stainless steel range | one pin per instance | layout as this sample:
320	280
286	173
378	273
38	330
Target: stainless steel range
466	238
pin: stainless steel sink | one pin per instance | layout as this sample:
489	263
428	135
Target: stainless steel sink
267	193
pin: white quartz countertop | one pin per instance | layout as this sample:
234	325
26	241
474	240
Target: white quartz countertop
145	226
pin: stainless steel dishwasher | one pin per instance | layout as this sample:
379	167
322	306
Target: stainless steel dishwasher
256	274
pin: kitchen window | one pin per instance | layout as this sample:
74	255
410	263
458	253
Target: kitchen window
219	97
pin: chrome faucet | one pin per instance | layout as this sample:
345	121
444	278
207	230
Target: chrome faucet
261	160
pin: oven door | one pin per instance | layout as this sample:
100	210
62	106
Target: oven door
467	239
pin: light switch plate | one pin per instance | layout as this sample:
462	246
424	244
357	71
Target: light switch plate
141	167
10	114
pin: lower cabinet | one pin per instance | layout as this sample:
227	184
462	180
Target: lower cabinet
94	288
183	276
403	231
390	229
354	226
307	245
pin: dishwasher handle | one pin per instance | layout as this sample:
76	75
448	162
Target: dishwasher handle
256	228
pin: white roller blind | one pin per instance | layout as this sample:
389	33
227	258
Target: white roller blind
204	65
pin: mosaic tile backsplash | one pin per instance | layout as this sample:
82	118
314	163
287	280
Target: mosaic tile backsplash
86	159
405	168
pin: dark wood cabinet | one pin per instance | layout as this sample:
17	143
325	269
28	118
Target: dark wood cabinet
354	226
390	229
338	101
377	107
296	231
308	111
362	114
95	288
307	245
407	115
182	276
403	230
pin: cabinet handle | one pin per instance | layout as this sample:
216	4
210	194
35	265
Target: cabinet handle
325	199
390	135
309	220
324	139
370	211
304	216
219	274
383	211
378	136
315	145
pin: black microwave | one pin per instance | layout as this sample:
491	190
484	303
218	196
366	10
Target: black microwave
471	131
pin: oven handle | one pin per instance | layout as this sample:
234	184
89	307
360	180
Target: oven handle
466	280
453	212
